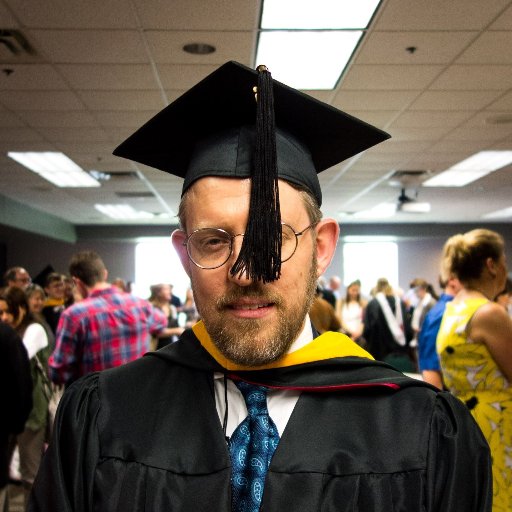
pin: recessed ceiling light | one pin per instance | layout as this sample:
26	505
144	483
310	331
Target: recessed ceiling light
199	48
122	212
55	167
471	169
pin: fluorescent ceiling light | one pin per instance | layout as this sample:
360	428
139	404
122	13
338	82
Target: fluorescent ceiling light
380	211
304	59
320	14
55	167
122	212
505	213
414	207
471	169
307	45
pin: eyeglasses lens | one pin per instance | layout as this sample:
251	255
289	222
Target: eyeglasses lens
211	248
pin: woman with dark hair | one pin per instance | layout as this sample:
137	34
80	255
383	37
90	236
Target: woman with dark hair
14	311
475	346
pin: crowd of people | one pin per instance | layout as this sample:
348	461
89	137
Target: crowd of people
254	406
407	330
75	324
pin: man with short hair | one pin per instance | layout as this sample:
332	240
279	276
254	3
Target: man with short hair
251	409
18	277
106	329
54	305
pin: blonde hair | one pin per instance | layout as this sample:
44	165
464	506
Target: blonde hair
464	255
383	286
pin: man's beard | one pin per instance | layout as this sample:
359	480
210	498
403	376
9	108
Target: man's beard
252	342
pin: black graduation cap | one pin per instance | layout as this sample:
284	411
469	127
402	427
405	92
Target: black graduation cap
239	122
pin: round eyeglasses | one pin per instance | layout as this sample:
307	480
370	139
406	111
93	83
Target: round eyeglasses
210	248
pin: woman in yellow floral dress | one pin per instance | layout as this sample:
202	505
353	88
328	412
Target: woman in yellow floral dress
475	347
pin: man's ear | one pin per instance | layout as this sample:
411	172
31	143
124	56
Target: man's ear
178	239
327	234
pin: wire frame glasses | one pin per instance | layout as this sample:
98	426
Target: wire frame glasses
211	248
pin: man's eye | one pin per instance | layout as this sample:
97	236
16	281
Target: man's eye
214	243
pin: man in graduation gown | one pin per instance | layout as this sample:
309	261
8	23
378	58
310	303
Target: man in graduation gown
353	433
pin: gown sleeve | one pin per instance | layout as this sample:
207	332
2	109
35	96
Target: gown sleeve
459	461
66	475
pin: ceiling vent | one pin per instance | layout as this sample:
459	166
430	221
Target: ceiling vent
124	174
135	195
14	47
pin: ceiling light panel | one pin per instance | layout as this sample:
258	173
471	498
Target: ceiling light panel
122	212
321	14
307	45
55	167
471	169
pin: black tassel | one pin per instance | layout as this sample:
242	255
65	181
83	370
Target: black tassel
260	254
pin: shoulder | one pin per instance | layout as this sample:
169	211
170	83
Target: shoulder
489	316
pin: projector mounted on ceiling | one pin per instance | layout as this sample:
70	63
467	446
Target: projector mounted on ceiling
408	204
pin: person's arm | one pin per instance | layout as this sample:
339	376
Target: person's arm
65	479
433	377
459	475
63	363
492	326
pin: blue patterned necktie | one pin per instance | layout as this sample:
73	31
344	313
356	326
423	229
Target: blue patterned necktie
251	447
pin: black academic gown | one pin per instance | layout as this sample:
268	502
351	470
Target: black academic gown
147	437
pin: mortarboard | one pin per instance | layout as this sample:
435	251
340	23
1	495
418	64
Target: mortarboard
220	127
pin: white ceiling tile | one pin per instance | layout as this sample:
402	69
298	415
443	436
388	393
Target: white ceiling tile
503	103
68	119
406	15
122	100
400	146
198	14
119	119
73	13
40	100
13	134
58	135
32	76
10	120
91	46
167	46
504	21
389	77
481	133
475	78
423	133
91	148
430	119
453	100
459	149
102	77
430	47
490	48
8	20
379	118
183	77
373	100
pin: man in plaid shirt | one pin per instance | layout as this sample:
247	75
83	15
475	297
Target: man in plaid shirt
106	329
